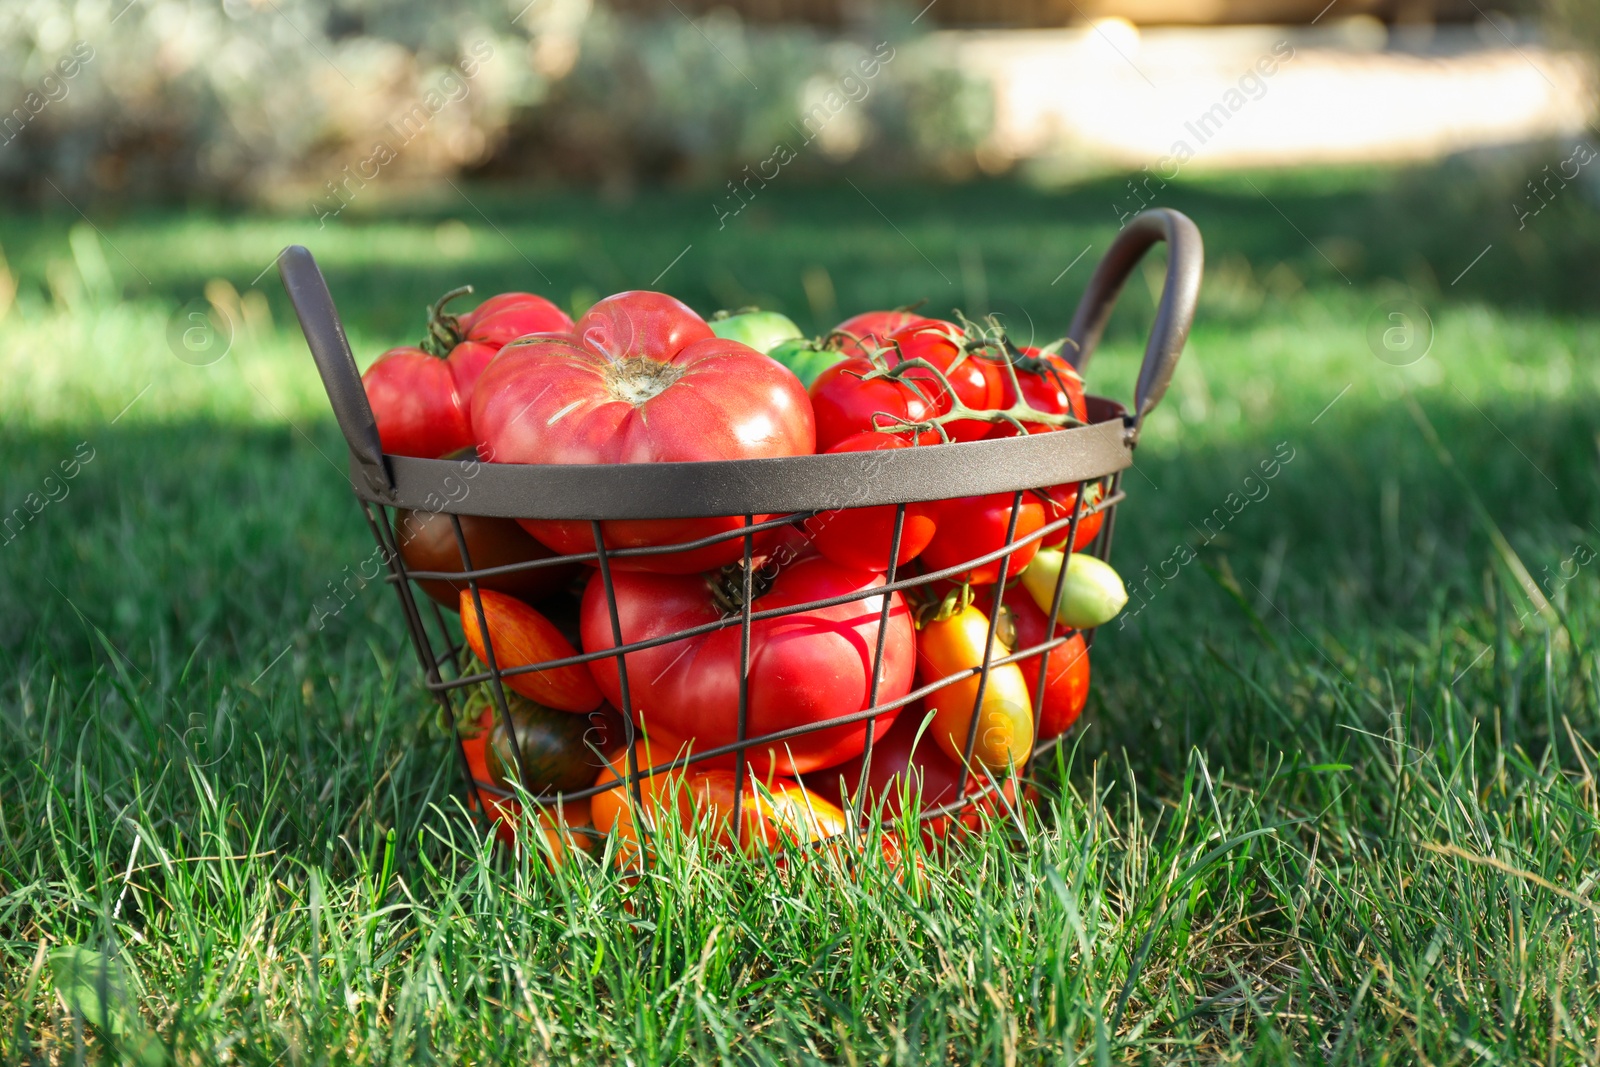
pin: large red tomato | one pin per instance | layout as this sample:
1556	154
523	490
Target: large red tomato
869	331
804	668
421	398
643	381
973	526
862	537
974	378
1066	688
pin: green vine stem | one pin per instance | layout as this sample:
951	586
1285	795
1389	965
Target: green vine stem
444	329
992	338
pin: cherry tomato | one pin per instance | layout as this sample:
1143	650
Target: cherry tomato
847	403
645	381
521	637
1066	690
805	668
1004	734
862	537
969	527
974	378
863	334
1049	385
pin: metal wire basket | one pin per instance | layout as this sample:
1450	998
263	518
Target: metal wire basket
789	489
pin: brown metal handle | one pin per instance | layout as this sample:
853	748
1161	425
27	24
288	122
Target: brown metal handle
319	321
1179	294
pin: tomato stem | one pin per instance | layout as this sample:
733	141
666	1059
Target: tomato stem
976	339
444	329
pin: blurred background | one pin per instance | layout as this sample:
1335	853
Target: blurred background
303	105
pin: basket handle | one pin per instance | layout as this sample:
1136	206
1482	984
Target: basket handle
1179	293
319	321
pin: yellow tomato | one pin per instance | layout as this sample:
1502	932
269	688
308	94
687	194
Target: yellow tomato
1005	721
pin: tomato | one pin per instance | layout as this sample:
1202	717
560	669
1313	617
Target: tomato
428	543
655	791
802	356
560	751
521	636
761	330
974	379
906	768
473	338
556	823
847	404
645	381
416	403
862	537
1066	689
805	668
973	526
863	334
1004	734
421	398
773	812
1059	500
1050	385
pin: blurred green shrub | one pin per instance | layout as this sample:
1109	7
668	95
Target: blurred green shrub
289	100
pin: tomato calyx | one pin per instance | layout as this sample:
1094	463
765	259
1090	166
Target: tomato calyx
444	329
636	379
929	606
727	585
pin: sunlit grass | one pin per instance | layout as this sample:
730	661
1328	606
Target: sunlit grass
1335	796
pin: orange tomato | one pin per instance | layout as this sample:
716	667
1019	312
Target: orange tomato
660	795
775	812
522	637
1005	721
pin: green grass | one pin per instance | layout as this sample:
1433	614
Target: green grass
1335	799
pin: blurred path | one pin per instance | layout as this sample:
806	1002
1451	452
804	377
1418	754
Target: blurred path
1217	98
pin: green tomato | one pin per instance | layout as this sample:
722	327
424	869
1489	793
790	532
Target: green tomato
807	361
761	330
1091	596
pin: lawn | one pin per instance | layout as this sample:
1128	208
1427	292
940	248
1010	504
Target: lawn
1334	798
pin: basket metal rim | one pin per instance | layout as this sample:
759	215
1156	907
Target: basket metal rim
759	486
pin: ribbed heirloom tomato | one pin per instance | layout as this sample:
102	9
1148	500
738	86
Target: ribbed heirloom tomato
644	380
804	668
